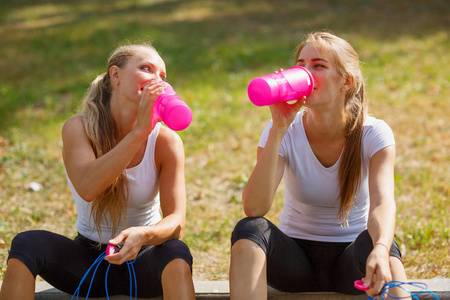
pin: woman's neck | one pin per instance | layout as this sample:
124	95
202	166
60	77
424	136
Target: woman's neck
124	114
324	124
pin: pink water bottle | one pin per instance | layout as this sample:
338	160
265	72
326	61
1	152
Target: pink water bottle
290	84
173	111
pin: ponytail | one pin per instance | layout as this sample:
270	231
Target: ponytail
110	206
346	60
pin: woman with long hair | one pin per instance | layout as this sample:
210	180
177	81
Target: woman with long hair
337	224
122	168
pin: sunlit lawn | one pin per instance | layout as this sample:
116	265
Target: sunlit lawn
51	50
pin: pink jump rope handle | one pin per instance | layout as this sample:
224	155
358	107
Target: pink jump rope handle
110	249
173	111
359	284
290	84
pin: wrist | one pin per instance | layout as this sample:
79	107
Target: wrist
148	234
278	132
138	135
379	244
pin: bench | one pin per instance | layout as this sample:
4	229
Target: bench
210	290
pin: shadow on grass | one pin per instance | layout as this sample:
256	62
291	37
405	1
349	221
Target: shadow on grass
53	49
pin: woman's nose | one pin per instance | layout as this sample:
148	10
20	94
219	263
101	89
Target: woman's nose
153	78
308	67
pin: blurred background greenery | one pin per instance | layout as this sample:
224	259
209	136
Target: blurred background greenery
51	50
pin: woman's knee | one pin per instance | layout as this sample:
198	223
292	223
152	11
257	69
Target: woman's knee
364	241
174	247
26	247
249	226
26	240
171	251
21	241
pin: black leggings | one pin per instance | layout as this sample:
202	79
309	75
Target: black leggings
62	262
297	265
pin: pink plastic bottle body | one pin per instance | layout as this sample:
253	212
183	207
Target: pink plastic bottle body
290	84
173	111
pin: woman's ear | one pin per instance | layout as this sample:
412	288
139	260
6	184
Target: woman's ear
348	82
114	75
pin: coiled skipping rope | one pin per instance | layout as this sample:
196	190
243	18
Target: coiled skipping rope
401	284
96	264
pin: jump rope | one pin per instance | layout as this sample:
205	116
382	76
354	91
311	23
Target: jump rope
359	284
110	249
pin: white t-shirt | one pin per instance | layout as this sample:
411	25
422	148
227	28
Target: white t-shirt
311	190
143	201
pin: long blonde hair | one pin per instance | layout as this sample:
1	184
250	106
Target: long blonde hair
102	131
344	57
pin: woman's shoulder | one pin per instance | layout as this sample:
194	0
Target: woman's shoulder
167	138
377	134
73	125
169	148
78	119
372	123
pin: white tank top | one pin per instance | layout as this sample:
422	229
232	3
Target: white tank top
143	199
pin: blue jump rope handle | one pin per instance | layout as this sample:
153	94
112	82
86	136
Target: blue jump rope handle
96	264
397	284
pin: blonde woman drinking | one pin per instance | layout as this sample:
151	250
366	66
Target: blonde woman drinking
122	168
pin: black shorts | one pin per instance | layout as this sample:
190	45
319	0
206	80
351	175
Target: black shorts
62	262
297	265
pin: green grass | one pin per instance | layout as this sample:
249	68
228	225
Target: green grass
52	50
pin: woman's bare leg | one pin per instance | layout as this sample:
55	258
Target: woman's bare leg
177	280
398	274
248	278
18	283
